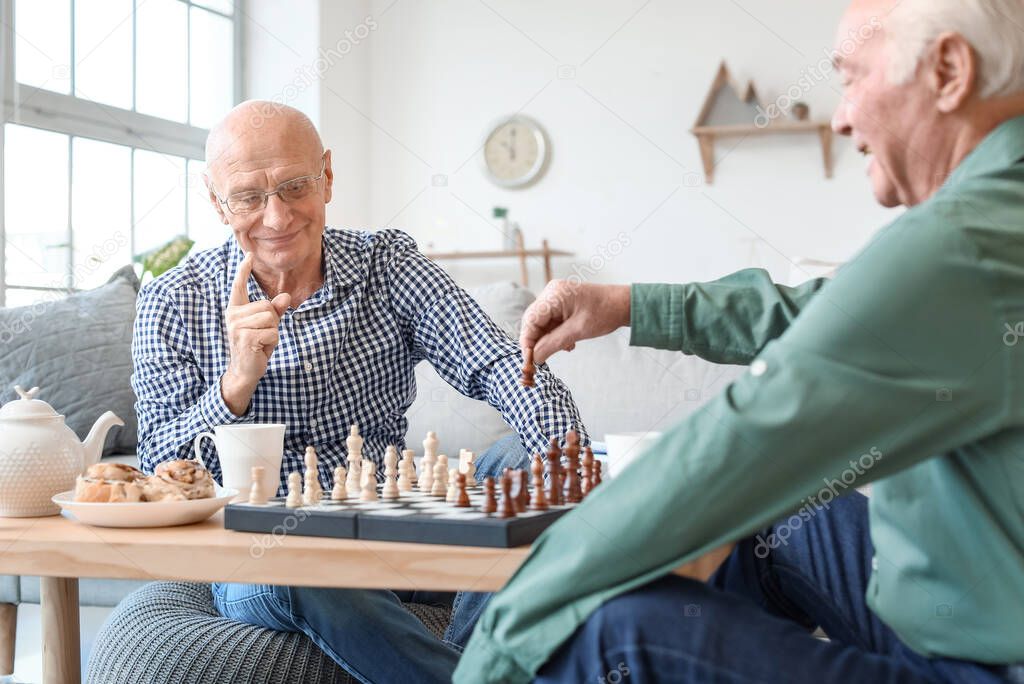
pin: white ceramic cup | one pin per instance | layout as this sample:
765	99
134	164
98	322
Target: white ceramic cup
624	447
240	447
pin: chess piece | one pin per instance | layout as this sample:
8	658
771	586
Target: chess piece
429	460
529	369
406	472
468	466
369	492
461	495
490	504
588	472
338	493
538	502
573	491
554	474
390	490
294	499
452	495
440	484
508	507
522	493
354	480
597	474
313	492
257	496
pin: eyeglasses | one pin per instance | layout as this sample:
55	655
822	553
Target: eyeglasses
289	191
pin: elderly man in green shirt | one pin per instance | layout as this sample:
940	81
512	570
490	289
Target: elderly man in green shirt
906	370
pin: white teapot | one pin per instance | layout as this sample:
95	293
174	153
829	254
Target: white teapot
40	456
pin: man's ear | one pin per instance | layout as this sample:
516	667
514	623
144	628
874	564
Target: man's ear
952	71
328	178
214	201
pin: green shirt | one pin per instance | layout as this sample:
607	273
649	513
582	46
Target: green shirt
902	371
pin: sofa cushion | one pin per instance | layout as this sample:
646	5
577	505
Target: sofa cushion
77	350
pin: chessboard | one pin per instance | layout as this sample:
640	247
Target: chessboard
413	517
438	506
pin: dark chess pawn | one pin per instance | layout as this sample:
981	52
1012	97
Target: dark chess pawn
538	502
588	472
462	496
522	499
573	491
554	474
529	370
508	507
490	503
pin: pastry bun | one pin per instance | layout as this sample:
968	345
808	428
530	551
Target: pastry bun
110	483
178	481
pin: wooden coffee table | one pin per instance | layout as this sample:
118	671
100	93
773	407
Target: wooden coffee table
60	551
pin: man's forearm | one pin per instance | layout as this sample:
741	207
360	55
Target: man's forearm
729	320
236	393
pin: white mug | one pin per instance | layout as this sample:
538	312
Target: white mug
624	447
240	447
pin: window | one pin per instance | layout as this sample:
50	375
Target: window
107	107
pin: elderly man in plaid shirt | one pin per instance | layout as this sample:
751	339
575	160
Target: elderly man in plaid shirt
290	322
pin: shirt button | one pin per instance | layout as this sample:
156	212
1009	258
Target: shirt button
758	368
312	422
308	365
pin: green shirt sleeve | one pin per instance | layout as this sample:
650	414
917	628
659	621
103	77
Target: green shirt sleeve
729	320
866	370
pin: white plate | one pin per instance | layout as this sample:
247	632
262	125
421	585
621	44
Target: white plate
145	514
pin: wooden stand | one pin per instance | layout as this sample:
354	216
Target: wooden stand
8	635
520	253
58	602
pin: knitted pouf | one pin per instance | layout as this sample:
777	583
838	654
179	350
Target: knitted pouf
170	633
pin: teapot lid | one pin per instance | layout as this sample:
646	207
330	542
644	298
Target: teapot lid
28	406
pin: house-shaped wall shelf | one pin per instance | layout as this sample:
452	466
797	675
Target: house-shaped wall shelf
731	111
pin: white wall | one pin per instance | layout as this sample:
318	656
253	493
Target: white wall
414	99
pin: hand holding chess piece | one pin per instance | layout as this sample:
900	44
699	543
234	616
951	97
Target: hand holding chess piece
567	312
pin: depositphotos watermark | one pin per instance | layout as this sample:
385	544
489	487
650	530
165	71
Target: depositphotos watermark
819	502
616	675
815	74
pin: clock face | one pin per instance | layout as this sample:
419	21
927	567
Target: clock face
514	152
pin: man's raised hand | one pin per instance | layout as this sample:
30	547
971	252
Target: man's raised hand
252	338
567	312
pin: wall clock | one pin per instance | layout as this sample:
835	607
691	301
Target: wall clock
515	152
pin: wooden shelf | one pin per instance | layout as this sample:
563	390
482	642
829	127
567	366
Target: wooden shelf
521	253
706	136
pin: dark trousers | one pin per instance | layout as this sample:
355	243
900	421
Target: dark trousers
752	621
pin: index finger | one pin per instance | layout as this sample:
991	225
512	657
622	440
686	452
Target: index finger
240	287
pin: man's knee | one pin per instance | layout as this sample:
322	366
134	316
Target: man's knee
507	452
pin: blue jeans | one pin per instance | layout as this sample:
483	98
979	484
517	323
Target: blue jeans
752	621
369	632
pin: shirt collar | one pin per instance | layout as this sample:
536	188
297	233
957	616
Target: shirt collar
1000	149
340	267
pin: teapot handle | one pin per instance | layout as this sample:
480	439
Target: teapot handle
198	447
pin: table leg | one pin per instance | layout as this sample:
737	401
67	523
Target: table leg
8	634
58	598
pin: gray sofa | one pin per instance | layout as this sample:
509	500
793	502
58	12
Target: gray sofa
618	389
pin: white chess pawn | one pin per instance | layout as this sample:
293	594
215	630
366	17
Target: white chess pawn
453	488
406	472
427	471
468	468
338	493
294	499
354	480
390	490
313	492
370	486
257	496
354	445
440	484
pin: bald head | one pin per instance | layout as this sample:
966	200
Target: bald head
259	130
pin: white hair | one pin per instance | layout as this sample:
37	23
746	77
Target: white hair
992	27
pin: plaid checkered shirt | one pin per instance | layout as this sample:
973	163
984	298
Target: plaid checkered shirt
346	356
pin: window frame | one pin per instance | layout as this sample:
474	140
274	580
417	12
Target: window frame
78	117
